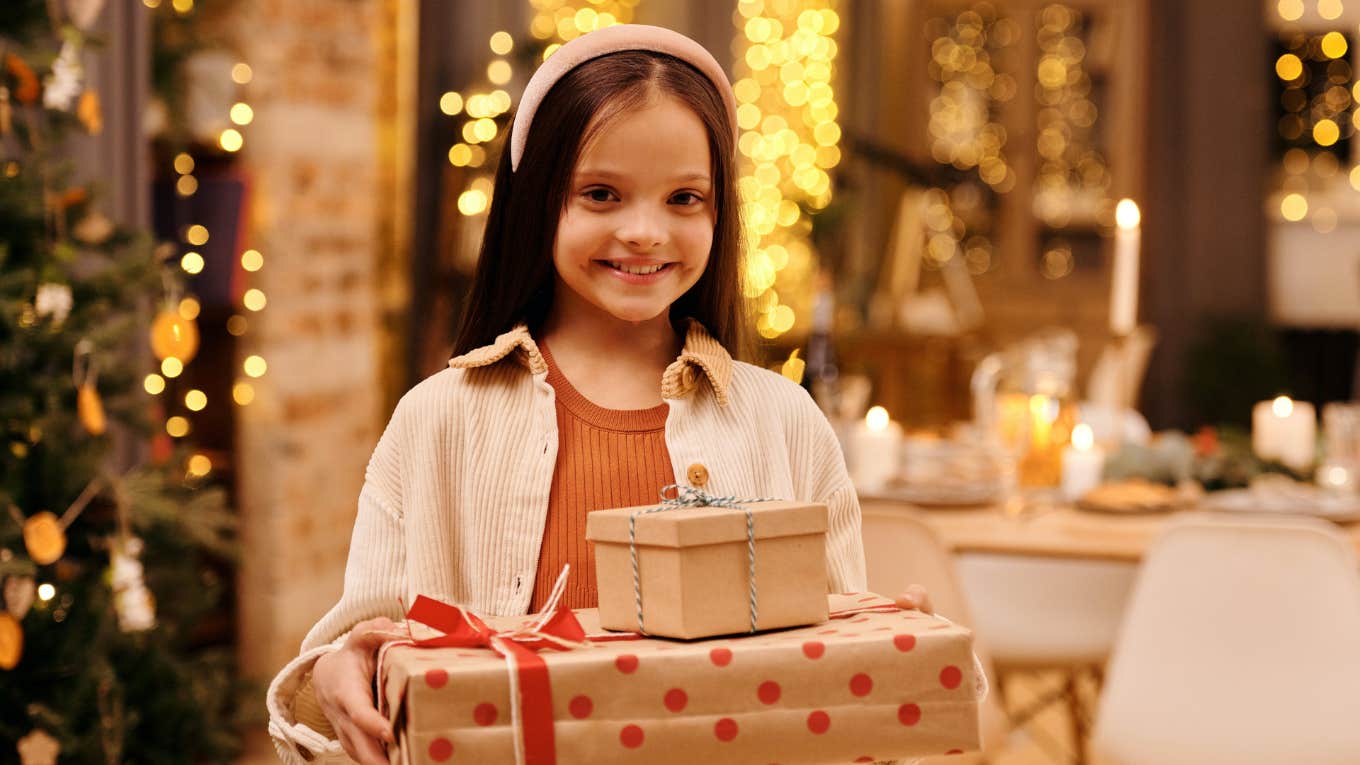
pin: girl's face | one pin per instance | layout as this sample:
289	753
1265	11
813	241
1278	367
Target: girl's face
637	227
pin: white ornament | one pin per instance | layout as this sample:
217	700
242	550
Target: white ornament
64	84
53	300
133	602
19	593
84	13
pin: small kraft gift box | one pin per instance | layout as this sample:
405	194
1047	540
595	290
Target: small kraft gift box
872	683
697	566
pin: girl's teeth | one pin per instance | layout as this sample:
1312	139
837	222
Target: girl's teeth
638	270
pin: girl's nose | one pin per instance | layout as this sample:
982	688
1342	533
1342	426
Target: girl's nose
642	228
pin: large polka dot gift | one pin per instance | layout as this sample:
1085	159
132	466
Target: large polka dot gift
872	683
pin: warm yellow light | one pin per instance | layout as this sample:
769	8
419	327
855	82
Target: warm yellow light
46	591
1282	406
877	419
1290	10
254	366
1355	177
1293	207
498	71
472	202
177	426
192	262
230	140
485	129
1126	214
551	49
154	384
1288	67
241	113
172	367
184	164
1083	438
196	235
195	400
252	260
254	299
236	325
199	465
1329	9
152	3
241	73
460	155
451	103
189	308
186	186
502	43
182	6
1325	133
243	393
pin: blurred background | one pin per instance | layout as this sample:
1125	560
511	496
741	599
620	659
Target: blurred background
973	228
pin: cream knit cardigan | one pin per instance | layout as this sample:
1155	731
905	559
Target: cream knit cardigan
455	497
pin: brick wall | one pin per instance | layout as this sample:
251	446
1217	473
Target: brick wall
313	159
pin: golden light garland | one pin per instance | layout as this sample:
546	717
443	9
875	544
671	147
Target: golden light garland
1318	97
964	129
789	141
1073	176
230	140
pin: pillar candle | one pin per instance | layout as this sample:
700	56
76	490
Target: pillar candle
1083	464
1285	431
1124	286
875	446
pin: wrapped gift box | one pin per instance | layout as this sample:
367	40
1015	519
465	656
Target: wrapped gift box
694	568
863	686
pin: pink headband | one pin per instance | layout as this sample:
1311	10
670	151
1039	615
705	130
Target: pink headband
619	37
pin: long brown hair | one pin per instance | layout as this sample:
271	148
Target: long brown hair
514	280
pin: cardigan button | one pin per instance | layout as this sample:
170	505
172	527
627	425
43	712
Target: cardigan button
697	475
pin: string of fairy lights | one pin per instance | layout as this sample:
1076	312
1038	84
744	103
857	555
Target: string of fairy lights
174	332
789	142
1318	96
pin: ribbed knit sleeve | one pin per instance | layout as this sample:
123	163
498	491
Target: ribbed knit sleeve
816	453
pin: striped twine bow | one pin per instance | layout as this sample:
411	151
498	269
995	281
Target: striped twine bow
688	496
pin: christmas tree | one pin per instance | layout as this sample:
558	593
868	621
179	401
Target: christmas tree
116	559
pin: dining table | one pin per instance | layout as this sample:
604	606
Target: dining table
1053	530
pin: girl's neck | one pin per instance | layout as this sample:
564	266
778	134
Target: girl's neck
616	364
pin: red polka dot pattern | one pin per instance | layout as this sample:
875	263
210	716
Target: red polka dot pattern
861	684
581	707
725	729
441	749
720	657
768	692
908	714
865	758
631	736
818	722
436	678
954	751
626	663
951	676
813	649
904	642
484	714
676	699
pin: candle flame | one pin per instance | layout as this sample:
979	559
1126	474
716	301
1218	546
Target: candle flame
1126	214
1083	438
877	419
1282	406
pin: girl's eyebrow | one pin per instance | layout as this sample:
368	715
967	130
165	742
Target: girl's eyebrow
610	175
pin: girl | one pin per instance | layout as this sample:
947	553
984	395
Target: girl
594	366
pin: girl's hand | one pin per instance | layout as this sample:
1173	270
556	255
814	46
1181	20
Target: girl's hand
916	598
343	683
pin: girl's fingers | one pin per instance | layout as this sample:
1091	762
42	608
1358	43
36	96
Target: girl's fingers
915	597
360	747
371	722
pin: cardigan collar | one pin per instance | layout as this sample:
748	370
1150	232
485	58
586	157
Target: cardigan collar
702	357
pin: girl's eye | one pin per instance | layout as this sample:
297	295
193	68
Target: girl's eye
598	195
687	198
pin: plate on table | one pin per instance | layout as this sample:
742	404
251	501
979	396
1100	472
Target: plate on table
1281	495
942	495
1133	497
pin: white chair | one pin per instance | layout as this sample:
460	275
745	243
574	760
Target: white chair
1048	614
901	549
1241	645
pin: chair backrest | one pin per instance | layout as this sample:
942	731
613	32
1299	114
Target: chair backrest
1241	645
901	549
